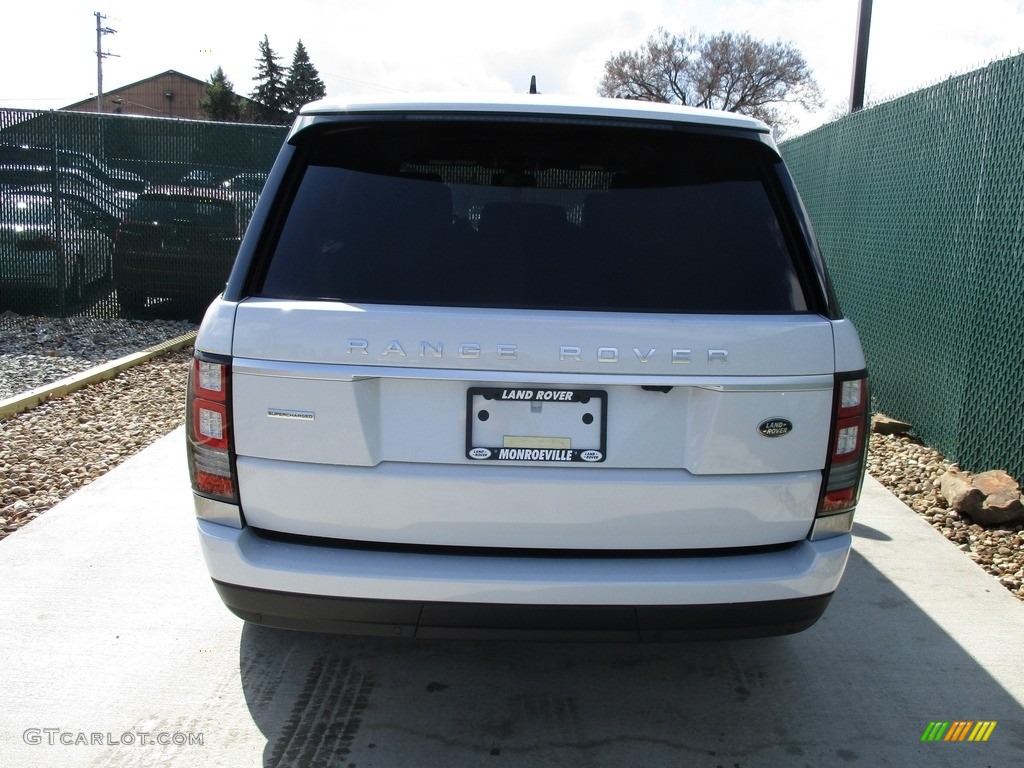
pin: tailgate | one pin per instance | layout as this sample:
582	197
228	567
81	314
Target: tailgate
602	430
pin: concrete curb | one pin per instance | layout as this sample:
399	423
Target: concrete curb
40	395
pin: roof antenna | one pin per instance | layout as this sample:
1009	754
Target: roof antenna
533	84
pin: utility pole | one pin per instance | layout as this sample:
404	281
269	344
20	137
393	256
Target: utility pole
100	56
860	64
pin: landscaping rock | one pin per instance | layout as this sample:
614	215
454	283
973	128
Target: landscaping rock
990	498
884	425
962	495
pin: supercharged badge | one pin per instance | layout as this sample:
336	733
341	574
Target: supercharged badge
775	427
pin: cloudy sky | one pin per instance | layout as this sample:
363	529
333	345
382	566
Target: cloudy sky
381	46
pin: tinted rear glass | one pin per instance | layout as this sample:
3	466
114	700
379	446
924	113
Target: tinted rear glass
181	210
546	216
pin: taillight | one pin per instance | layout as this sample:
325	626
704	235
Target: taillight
844	469
210	455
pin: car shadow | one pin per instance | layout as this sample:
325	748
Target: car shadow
860	687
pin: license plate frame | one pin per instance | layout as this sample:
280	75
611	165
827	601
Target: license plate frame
534	424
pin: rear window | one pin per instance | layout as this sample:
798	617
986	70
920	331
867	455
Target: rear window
542	216
183	210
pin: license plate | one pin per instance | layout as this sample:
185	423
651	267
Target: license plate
536	424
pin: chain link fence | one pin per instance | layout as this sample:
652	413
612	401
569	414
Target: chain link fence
110	215
919	209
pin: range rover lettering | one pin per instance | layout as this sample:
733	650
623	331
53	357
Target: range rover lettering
527	367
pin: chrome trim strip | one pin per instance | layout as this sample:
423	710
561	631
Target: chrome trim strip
350	373
217	511
833	525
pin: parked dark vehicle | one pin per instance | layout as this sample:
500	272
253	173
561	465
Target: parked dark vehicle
178	243
53	247
252	181
67	182
200	178
90	206
118	178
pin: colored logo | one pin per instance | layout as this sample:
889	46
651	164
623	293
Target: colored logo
959	730
775	427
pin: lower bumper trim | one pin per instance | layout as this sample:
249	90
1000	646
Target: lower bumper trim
399	618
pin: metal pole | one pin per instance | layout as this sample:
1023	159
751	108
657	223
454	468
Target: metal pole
58	224
100	56
99	61
860	65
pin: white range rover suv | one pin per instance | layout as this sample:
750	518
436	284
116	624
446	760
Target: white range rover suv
527	367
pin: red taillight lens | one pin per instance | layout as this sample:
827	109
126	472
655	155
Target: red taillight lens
209	429
209	380
852	397
214	485
210	422
844	471
849	439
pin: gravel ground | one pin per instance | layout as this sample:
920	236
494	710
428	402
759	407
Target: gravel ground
911	471
49	452
37	351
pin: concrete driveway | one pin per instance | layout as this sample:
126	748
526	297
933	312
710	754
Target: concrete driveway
117	652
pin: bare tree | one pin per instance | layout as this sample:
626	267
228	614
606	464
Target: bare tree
727	71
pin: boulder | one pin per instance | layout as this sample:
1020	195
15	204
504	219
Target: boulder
885	425
957	490
989	498
1002	499
995	482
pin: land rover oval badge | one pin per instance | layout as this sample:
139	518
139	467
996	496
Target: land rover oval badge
775	427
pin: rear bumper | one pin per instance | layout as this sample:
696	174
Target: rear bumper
416	594
30	269
400	618
156	274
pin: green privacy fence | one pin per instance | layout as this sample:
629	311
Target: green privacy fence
76	190
919	209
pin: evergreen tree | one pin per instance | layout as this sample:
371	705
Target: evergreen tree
219	101
304	83
269	90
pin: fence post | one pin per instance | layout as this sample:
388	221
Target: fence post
58	223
